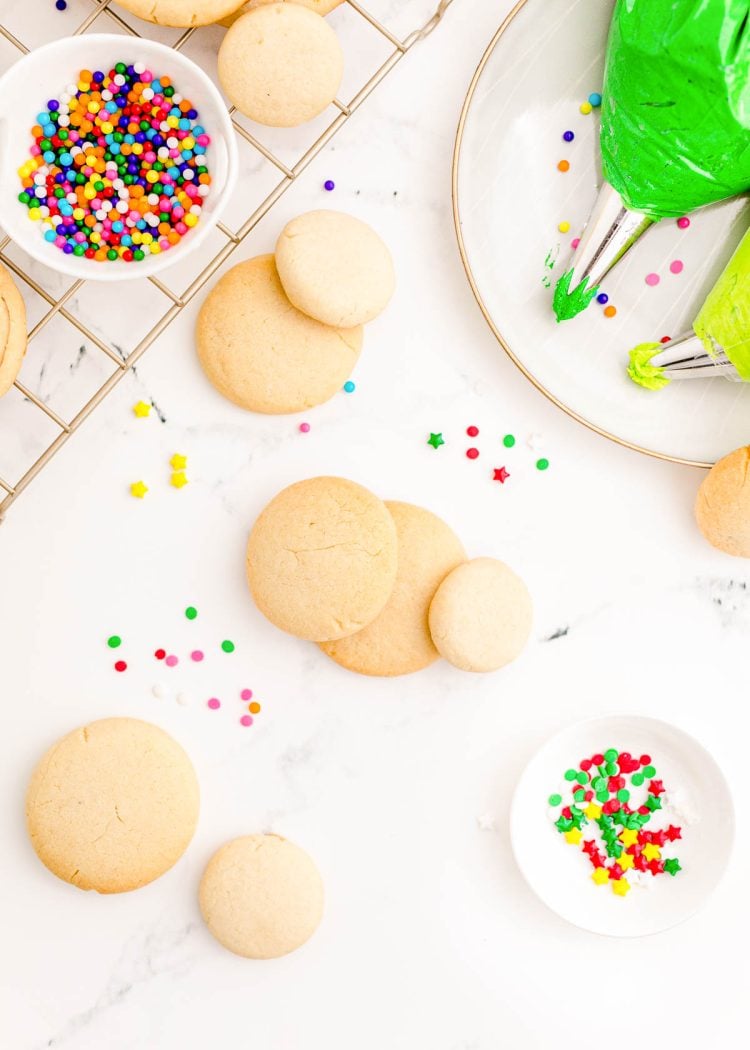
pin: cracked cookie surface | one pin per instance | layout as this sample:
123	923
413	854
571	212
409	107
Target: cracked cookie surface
180	13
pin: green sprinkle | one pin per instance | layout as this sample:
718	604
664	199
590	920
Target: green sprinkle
570	774
602	796
579	795
599	784
623	795
649	771
191	612
227	646
637	779
672	866
563	824
509	441
653	802
542	464
114	641
610	755
612	769
582	777
555	800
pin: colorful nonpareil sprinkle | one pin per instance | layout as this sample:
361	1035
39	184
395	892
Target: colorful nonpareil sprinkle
509	440
666	339
542	464
500	474
214	703
138	489
595	99
159	691
585	108
304	428
118	169
683	222
121	666
602	298
114	641
610	311
254	708
227	646
652	279
472	431
472	453
575	242
160	654
141	409
563	165
349	386
246	720
563	227
197	655
61	5
436	440
329	185
599	814
568	136
246	694
191	613
172	661
676	266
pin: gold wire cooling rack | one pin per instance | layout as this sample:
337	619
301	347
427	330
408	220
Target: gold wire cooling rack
173	302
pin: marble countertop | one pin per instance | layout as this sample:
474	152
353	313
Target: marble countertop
399	789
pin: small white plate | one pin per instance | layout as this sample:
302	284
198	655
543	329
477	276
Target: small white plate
508	200
561	875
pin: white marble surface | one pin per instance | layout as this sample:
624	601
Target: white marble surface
431	938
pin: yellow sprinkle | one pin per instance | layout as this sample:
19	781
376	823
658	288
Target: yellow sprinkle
107	128
651	852
573	836
89	192
78	213
173	122
34	214
154	248
592	811
94	107
600	876
628	836
188	142
141	409
138	489
190	219
585	108
626	861
179	479
178	462
563	227
620	887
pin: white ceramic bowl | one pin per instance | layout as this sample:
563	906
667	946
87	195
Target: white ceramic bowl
43	74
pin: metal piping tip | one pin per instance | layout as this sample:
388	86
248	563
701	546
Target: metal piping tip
611	230
686	357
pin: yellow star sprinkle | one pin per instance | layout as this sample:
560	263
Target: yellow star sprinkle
178	462
179	478
628	836
142	409
620	887
651	852
573	836
600	876
592	811
626	861
138	489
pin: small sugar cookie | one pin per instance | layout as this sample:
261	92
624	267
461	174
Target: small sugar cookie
398	640
261	896
722	508
262	353
180	13
322	7
113	805
12	331
480	617
321	558
281	64
334	268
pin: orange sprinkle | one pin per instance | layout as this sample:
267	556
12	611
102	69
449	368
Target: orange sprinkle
563	165
610	311
254	708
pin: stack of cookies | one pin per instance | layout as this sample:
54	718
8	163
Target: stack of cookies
282	333
383	588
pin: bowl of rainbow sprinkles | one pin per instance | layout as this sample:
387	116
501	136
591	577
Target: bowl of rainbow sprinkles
117	156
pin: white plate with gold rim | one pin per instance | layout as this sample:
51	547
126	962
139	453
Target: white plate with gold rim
509	198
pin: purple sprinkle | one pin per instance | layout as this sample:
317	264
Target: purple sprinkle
329	185
602	298
568	136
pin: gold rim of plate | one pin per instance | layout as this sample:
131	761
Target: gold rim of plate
477	295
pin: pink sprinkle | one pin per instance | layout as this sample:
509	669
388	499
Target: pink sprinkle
304	428
196	655
246	720
246	694
684	222
214	703
171	661
575	242
677	266
652	279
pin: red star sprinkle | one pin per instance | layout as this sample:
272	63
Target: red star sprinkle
615	872
640	863
589	845
500	474
596	859
656	867
673	833
656	787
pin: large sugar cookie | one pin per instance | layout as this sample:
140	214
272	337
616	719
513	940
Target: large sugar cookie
180	12
398	640
334	268
261	352
321	558
722	508
113	805
12	331
321	7
261	896
281	64
480	617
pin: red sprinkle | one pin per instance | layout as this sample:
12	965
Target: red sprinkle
121	666
472	453
472	431
645	760
160	654
666	339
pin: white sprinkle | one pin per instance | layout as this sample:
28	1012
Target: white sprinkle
139	67
159	691
534	441
184	699
486	822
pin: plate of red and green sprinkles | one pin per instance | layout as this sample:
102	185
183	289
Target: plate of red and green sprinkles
622	825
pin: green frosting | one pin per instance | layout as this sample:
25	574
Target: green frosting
724	318
567	304
676	107
640	369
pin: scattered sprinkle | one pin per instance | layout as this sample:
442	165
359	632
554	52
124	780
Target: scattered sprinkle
159	691
534	441
329	185
246	694
542	464
304	428
171	661
61	4
602	298
121	666
191	612
610	311
652	279
666	339
677	266
486	822
254	708
179	479
575	242
585	108
509	440
595	99
138	489
114	641
184	699
563	165
141	409
246	720
196	656
178	461
500	474
568	136
563	227
214	703
683	222
472	453
227	646
472	431
436	440
349	386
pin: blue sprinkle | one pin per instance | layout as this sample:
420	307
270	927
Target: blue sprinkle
602	298
349	386
595	98
329	185
568	136
61	4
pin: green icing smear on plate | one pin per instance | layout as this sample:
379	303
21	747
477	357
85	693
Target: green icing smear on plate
567	304
640	369
675	132
724	318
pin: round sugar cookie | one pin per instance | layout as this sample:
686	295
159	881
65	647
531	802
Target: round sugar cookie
261	352
722	507
261	896
180	13
398	640
335	268
480	617
112	805
12	331
321	7
281	64
321	558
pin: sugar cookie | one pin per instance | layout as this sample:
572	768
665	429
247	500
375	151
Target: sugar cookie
281	64
113	805
262	353
261	896
334	268
12	331
480	617
321	7
722	508
398	640
180	13
321	558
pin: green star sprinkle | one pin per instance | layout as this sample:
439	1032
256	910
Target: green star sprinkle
672	865
563	824
653	802
436	440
